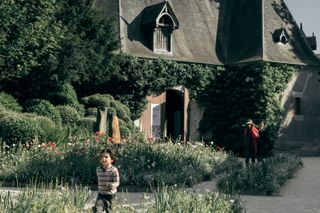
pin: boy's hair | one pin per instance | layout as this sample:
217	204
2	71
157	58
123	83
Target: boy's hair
108	151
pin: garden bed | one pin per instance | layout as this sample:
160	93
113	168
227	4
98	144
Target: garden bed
263	178
139	164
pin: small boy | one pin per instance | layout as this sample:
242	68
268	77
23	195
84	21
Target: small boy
108	181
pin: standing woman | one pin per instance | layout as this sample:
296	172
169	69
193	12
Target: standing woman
251	135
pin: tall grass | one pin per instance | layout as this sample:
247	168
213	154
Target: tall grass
168	199
51	200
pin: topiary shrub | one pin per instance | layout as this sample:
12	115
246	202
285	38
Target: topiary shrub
69	115
52	131
9	102
87	123
65	95
44	108
92	111
125	132
97	100
19	128
111	111
114	107
123	112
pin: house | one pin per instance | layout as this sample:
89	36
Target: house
219	32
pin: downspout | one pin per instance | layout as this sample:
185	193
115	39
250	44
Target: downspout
120	24
262	28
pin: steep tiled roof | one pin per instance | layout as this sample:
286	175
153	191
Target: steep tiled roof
218	31
194	41
297	50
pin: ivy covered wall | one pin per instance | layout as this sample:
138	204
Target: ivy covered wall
230	94
243	92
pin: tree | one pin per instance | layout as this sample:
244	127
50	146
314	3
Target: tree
48	43
29	35
90	41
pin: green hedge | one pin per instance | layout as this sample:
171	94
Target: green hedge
16	128
68	114
9	102
43	108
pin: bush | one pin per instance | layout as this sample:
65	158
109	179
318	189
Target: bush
52	131
69	115
92	111
65	95
266	176
9	102
123	112
17	128
125	132
43	108
87	123
97	100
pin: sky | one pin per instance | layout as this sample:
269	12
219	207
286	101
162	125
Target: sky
307	12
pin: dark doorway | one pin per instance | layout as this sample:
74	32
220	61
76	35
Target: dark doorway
174	114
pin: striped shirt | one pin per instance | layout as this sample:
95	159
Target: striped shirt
108	180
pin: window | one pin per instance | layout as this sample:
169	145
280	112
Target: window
280	36
162	39
158	27
297	106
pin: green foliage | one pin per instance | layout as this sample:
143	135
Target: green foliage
125	132
140	164
174	200
64	95
16	128
90	40
122	111
9	102
114	107
45	44
256	96
266	176
136	79
97	101
53	199
43	108
69	115
155	160
87	123
49	128
30	36
91	111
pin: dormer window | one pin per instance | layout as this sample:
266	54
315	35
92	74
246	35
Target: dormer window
280	36
158	23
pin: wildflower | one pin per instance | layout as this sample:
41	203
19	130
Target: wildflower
110	139
145	196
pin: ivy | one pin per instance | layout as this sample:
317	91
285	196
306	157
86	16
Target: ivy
242	92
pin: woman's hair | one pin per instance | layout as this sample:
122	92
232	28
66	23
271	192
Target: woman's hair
108	151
